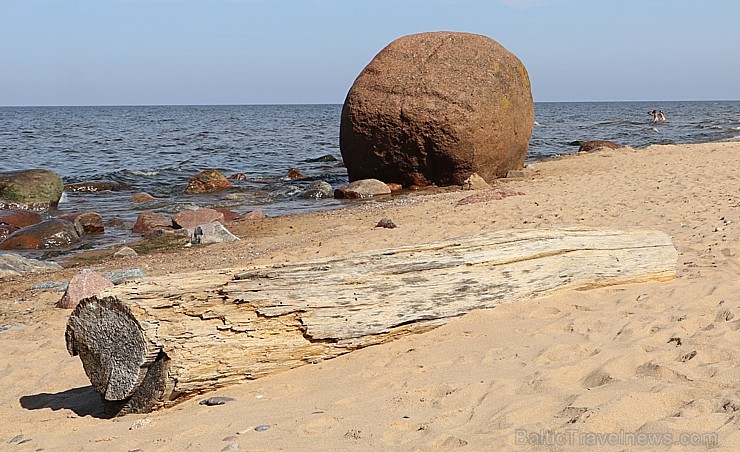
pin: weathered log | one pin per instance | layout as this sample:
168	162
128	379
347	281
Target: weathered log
161	340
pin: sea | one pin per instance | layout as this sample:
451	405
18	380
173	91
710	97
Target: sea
156	149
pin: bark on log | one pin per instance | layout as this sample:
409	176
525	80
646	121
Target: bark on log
156	342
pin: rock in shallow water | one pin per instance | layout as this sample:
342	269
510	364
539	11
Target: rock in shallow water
34	189
52	233
317	190
366	188
208	181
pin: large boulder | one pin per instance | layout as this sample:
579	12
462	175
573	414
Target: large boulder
52	233
34	189
434	108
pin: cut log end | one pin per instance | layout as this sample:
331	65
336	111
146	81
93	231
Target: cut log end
120	364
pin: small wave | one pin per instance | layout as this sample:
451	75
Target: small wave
64	198
141	172
735	128
537	123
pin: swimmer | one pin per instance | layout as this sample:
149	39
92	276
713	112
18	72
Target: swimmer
655	116
661	116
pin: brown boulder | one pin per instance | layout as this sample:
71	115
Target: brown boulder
590	146
433	108
84	284
91	222
52	233
19	218
149	221
192	218
208	181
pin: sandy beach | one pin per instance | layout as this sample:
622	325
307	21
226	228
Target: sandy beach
650	366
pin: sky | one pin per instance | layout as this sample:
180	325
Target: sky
173	52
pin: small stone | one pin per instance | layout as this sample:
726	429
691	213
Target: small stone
294	174
394	186
238	176
386	223
125	252
213	401
511	174
230	438
232	446
15	439
12	325
141	423
475	182
262	428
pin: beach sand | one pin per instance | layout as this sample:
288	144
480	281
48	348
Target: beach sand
570	371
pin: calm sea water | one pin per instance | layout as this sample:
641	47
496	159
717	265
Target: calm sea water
157	148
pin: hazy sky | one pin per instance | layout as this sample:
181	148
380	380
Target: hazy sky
102	52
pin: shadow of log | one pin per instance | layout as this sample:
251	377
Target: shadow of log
83	401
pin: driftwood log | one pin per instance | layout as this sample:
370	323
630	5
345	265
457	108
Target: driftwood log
151	343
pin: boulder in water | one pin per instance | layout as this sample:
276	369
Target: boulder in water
34	189
317	190
208	181
52	233
360	189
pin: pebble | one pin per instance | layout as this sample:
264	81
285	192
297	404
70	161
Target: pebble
44	285
386	223
141	423
230	438
232	446
212	401
12	325
262	428
15	439
125	251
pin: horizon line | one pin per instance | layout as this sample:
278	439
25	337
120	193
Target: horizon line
331	103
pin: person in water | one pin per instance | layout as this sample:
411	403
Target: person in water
655	116
661	116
